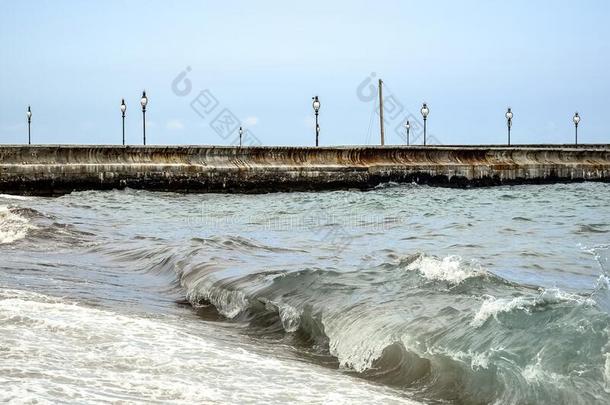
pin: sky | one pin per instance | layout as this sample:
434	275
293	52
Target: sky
210	66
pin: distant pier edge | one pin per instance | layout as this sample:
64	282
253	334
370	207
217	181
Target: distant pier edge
59	169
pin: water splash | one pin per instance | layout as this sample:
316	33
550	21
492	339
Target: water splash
13	227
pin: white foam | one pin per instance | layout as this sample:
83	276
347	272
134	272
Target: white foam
534	373
290	317
600	253
555	296
55	351
607	372
13	227
15	197
476	361
451	268
493	307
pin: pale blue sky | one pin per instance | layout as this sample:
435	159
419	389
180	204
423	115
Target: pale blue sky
73	61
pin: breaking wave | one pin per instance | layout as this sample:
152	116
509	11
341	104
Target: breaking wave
450	268
443	328
49	345
13	226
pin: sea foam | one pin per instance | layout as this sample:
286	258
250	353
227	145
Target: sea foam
15	197
451	268
13	227
56	350
492	307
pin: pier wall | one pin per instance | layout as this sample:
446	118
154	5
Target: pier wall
55	170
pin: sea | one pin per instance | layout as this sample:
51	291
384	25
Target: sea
400	294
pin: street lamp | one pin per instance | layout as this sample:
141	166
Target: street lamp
424	112
509	122
241	132
29	115
123	109
408	128
576	120
316	108
144	101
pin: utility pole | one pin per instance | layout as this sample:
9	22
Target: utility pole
381	112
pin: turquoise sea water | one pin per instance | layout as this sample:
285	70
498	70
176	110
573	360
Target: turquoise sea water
400	294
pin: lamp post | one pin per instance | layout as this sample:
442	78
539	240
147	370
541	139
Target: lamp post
576	120
509	122
241	132
316	108
29	115
144	101
408	128
123	109
424	112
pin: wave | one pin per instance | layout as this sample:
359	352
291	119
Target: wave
13	226
391	184
15	197
450	268
443	327
30	226
491	307
592	228
51	347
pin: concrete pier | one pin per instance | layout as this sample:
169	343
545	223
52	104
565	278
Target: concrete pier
56	170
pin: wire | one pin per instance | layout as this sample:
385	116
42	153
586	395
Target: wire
371	119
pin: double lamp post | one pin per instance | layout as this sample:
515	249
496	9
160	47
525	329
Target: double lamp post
143	102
